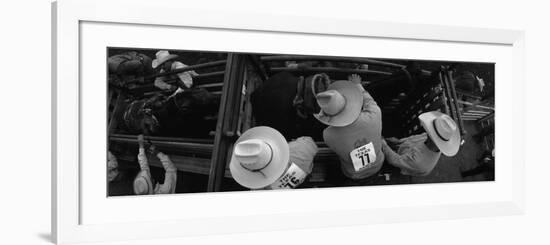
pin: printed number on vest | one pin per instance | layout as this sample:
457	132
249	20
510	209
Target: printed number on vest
363	156
293	177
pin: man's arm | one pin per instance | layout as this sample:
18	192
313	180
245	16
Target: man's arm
161	84
142	158
167	163
303	150
369	105
401	161
170	176
186	77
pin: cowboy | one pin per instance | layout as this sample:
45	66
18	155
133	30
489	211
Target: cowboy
143	183
262	159
165	62
417	155
355	127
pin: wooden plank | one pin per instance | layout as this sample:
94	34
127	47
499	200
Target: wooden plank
161	138
198	80
228	116
116	115
188	68
330	58
454	112
260	69
478	112
327	70
448	109
449	74
181	148
487	118
473	114
211	85
182	163
476	105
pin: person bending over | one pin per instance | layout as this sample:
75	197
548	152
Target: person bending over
143	183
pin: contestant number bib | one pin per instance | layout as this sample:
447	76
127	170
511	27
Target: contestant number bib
363	156
293	177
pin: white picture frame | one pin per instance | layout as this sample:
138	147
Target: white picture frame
67	200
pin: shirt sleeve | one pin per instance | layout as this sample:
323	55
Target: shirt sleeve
142	159
161	83
170	176
406	162
167	164
369	105
302	152
185	76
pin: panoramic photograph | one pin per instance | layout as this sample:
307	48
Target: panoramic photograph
181	121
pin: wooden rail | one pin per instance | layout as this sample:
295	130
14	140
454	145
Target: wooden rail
330	58
328	70
181	146
228	114
189	68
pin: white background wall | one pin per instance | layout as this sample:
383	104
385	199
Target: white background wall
25	123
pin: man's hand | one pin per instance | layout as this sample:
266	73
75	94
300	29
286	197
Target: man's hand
354	78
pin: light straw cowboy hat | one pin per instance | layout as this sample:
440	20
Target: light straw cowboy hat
143	184
443	131
340	104
162	56
260	156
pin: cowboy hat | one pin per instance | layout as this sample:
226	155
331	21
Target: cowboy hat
143	184
340	104
162	56
442	130
260	156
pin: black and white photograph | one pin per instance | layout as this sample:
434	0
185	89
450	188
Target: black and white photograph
182	121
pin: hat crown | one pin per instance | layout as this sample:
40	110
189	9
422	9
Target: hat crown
253	154
445	127
141	186
162	53
331	102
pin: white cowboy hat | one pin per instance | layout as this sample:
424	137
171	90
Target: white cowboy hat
260	156
143	184
162	56
443	131
340	104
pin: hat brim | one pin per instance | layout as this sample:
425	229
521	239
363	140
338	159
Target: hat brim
352	109
157	62
274	170
448	148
